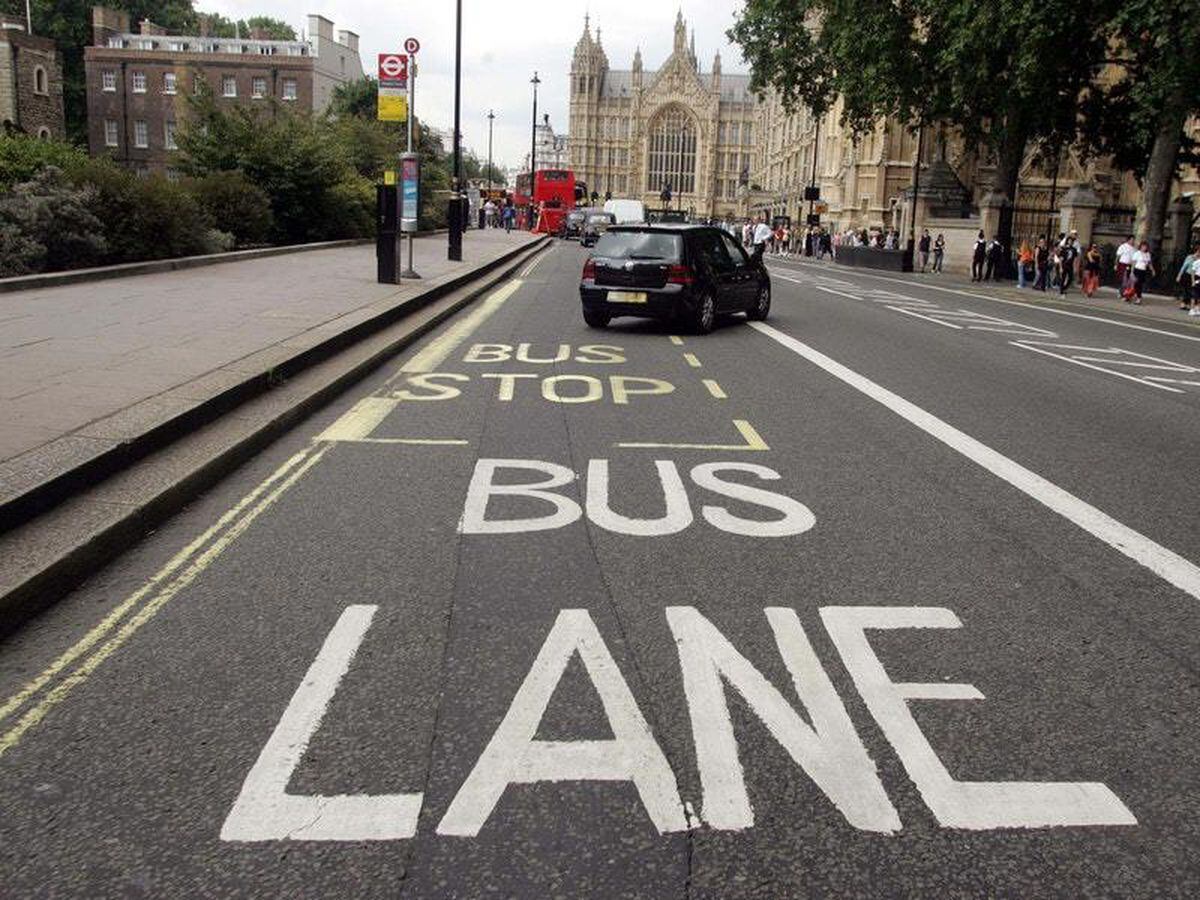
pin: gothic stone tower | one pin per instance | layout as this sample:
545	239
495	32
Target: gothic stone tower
634	132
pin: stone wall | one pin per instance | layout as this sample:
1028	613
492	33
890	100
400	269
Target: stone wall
960	242
33	111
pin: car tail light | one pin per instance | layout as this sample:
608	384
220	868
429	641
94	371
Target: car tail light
589	269
680	275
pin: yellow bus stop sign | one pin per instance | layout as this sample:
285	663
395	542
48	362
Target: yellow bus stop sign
392	108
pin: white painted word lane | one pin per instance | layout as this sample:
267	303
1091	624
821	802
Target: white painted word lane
820	738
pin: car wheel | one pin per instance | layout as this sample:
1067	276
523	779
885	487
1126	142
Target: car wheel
704	318
596	318
762	306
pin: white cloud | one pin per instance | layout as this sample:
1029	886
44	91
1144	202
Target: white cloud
504	42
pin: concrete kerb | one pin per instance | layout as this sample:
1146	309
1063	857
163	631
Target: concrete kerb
53	578
38	498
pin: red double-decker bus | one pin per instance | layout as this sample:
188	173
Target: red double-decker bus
553	197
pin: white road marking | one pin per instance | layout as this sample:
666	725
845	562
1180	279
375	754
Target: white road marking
1033	306
917	315
1165	563
975	805
513	756
264	811
829	749
715	389
692	360
1114	357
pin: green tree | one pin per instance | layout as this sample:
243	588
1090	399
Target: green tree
276	29
235	205
1139	116
23	156
1005	72
47	223
297	159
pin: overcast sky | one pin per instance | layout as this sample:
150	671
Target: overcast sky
504	41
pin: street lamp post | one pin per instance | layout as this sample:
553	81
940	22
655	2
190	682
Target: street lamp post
535	81
455	213
491	118
912	210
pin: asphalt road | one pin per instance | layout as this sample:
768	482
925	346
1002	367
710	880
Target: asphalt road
896	596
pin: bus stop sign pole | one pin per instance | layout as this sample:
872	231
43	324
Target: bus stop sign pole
410	166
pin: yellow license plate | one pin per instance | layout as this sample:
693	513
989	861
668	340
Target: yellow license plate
627	296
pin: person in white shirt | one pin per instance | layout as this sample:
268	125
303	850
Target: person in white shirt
762	234
1124	260
1143	267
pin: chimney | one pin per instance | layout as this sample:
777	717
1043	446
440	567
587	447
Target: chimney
150	29
349	40
320	28
204	25
106	23
260	34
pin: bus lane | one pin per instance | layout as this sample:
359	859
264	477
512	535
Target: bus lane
634	613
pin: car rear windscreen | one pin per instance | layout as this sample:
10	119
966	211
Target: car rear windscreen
639	245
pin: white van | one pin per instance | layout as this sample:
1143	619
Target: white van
626	211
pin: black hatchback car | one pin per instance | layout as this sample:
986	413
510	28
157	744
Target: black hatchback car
689	272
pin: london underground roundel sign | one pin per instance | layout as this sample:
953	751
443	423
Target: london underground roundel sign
392	67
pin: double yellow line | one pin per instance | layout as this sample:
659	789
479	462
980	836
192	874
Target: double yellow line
37	697
142	605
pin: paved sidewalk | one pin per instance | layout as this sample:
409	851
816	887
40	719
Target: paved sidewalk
73	358
1158	307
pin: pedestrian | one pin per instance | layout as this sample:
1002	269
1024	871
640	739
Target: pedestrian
762	234
1143	268
939	252
489	214
923	249
1024	264
1125	260
826	244
1092	262
509	214
995	260
978	255
1041	265
1186	280
1067	255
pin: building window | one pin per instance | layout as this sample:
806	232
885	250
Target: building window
39	81
169	135
198	84
672	152
258	87
228	86
44	133
139	82
168	82
141	134
746	133
289	89
108	80
110	132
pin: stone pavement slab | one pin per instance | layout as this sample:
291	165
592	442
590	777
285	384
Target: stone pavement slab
86	367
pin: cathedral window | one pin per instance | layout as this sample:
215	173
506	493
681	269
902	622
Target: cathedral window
672	152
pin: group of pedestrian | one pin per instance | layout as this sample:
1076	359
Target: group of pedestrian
781	240
937	245
987	259
496	215
1135	265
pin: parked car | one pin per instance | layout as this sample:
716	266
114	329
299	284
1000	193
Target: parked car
627	212
597	223
689	272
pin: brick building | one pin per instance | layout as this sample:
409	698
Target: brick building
138	83
31	84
